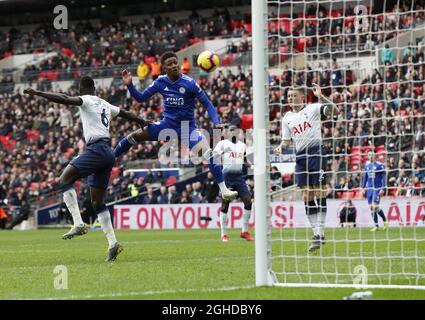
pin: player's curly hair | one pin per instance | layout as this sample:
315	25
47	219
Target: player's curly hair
166	55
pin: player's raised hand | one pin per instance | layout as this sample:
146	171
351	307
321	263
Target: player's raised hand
278	150
316	90
126	77
30	91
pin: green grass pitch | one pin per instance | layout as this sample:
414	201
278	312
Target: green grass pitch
194	264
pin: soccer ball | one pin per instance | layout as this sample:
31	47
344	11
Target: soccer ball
208	61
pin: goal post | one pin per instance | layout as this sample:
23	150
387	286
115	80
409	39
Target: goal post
260	137
368	58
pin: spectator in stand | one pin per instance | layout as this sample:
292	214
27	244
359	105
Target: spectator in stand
185	197
149	177
142	73
162	198
150	197
185	66
211	189
196	194
155	69
65	116
387	55
173	195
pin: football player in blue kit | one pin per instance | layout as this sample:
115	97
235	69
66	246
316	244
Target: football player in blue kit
179	92
374	178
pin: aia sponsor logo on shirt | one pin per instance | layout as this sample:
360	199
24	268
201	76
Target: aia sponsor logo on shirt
301	128
236	155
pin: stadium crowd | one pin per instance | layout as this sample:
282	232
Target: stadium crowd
37	139
98	48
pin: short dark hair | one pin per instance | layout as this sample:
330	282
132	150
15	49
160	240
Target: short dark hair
87	82
166	55
301	89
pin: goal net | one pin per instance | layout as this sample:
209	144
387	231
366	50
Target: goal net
368	58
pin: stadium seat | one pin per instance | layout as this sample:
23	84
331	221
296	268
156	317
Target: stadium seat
358	193
301	44
380	148
248	27
246	121
170	181
285	25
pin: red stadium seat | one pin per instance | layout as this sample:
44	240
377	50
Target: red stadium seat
380	148
248	27
301	44
285	25
170	181
246	121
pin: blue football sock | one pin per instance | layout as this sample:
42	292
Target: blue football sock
382	215
122	147
216	170
375	218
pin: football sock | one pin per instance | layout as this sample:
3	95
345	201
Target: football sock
312	210
223	222
105	221
382	215
70	199
375	218
124	145
245	219
321	218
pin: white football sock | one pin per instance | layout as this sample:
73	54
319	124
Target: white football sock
70	199
245	219
105	221
313	222
223	223
321	218
223	187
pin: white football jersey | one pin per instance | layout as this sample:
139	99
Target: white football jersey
95	116
233	155
303	127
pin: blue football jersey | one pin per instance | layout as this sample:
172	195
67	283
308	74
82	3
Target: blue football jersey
374	175
179	98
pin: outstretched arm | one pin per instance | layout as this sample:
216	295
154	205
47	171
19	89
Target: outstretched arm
132	117
55	97
330	108
136	94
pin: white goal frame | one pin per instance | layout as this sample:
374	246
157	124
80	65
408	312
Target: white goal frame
263	262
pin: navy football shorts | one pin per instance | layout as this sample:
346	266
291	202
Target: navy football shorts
310	167
373	196
236	182
96	162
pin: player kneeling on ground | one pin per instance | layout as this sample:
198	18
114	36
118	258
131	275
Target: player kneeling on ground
233	153
95	162
302	125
